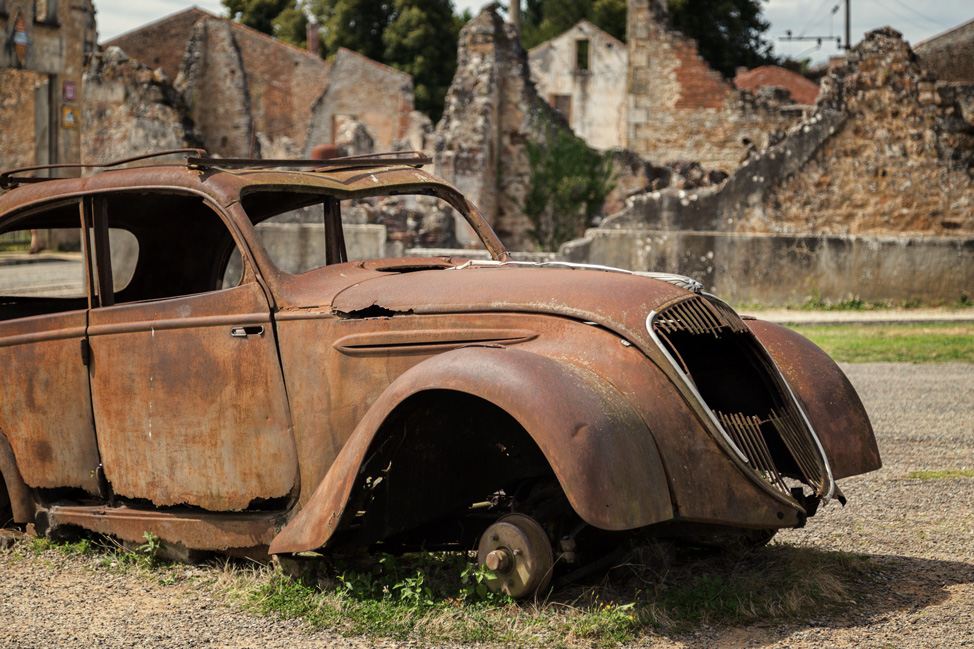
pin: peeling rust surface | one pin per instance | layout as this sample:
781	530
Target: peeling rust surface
829	400
367	401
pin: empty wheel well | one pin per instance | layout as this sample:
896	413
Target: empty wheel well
437	453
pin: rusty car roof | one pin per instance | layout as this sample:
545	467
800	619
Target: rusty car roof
225	180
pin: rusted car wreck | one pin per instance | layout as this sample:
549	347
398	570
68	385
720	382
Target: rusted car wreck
197	387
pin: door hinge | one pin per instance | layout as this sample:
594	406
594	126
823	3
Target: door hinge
85	352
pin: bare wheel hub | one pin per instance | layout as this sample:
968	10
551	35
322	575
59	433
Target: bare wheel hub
516	549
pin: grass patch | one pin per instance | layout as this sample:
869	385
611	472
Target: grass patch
861	343
435	598
944	474
661	589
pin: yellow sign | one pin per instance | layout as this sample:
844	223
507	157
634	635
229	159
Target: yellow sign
70	118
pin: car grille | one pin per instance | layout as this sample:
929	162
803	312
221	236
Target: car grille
719	357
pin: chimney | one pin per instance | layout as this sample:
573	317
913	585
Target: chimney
313	37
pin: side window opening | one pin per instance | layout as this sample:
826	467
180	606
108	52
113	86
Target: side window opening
41	264
305	231
166	245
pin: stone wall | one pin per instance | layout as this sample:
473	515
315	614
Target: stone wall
130	110
593	99
888	152
370	93
492	110
251	92
950	55
787	269
214	83
44	47
679	108
17	116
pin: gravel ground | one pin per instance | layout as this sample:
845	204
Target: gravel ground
920	530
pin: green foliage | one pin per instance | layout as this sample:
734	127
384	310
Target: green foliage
421	40
542	20
354	24
569	183
418	37
291	26
258	14
860	343
729	33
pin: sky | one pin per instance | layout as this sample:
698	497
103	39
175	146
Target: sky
917	21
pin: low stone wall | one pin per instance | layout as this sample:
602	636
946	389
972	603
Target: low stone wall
782	269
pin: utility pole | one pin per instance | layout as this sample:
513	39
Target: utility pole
838	41
516	15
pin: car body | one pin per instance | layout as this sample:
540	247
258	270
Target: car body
413	402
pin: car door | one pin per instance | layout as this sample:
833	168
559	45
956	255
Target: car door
187	392
45	407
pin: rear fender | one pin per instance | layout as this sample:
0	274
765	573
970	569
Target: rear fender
828	398
598	447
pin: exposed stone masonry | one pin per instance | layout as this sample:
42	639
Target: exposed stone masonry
129	109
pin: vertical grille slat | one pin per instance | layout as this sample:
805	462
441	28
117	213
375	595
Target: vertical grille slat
777	424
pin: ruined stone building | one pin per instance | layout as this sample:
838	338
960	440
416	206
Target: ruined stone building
949	55
870	197
800	89
657	97
41	63
250	94
582	75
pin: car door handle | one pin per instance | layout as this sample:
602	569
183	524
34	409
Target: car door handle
243	332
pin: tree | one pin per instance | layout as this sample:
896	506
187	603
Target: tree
353	24
421	39
418	37
729	33
543	20
282	19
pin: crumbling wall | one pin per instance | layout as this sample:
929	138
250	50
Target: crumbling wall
949	55
888	152
129	110
679	108
282	81
362	90
214	83
902	162
588	87
491	112
17	117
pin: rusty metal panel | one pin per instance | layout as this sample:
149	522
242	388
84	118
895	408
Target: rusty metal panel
186	411
195	530
45	407
831	403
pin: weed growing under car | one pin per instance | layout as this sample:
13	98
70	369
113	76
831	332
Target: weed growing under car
436	597
658	589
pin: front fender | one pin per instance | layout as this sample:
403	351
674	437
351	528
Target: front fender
599	448
828	398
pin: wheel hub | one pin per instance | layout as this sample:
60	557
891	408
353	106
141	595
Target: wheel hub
517	550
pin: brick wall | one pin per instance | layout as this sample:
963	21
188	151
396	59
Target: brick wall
681	109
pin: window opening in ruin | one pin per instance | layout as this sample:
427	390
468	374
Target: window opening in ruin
582	55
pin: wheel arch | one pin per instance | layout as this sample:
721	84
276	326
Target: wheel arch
594	441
